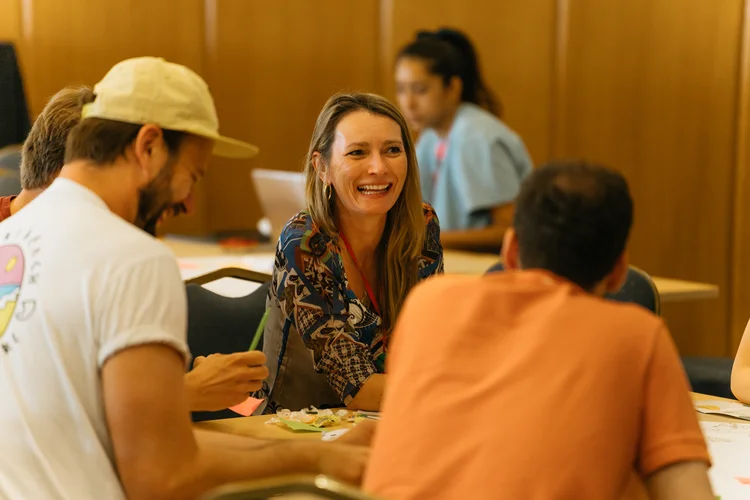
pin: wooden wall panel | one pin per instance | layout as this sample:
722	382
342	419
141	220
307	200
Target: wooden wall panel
740	310
76	41
515	42
10	20
272	66
650	87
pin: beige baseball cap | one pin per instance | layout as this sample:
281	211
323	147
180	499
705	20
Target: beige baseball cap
151	90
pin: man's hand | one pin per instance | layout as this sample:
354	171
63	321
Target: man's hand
361	434
344	462
223	380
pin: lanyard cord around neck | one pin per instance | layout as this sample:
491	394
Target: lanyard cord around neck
370	293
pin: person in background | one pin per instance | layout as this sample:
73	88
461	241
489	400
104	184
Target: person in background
216	382
741	369
471	164
559	392
44	148
345	264
93	315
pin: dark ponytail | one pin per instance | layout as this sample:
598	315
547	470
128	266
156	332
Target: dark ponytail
450	53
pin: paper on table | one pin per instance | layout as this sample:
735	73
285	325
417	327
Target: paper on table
247	407
335	434
299	426
729	447
730	408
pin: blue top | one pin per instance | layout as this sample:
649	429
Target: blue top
321	341
483	166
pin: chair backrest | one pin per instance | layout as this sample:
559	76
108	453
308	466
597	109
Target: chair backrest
218	324
10	183
10	158
292	487
639	289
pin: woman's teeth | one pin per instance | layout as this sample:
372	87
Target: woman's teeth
374	188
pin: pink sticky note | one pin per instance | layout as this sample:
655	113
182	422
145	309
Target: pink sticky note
743	480
247	407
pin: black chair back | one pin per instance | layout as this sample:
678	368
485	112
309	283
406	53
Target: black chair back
638	289
223	325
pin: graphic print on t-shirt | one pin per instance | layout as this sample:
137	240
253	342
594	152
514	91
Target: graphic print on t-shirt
18	275
11	277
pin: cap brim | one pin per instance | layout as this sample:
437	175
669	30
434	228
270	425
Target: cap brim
232	148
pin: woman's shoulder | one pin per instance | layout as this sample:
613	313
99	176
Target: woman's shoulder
297	226
432	249
430	216
476	124
302	232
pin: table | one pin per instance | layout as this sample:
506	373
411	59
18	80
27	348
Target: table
256	426
456	262
707	417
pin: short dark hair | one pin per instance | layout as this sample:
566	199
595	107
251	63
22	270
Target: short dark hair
103	141
43	153
573	218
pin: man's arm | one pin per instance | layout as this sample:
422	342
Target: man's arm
741	369
489	238
156	452
681	481
673	457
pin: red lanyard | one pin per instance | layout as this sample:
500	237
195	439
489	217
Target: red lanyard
440	152
367	283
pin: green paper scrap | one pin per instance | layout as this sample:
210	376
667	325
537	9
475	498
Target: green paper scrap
299	426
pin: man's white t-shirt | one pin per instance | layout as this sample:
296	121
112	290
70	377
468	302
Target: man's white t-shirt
77	285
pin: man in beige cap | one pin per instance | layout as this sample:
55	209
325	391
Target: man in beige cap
216	382
93	312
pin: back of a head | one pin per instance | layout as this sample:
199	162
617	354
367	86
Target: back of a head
44	148
450	53
573	219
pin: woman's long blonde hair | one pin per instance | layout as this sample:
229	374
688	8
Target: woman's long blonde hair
403	238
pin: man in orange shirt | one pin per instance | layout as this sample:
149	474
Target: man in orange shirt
527	383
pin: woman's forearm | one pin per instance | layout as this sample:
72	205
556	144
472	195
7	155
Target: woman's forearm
741	383
370	395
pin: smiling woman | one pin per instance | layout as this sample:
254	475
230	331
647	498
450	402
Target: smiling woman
345	264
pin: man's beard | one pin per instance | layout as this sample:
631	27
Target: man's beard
155	199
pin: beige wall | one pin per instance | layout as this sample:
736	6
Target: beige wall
656	88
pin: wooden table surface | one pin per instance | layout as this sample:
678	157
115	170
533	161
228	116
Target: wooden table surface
256	426
456	262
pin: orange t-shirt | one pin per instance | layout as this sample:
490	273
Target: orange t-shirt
521	385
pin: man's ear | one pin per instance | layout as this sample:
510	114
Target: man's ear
149	149
510	250
616	279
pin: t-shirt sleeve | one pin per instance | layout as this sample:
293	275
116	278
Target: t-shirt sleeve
671	433
144	302
486	175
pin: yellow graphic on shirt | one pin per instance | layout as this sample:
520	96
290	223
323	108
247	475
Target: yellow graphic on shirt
11	277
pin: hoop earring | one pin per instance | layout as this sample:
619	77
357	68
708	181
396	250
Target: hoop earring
328	191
